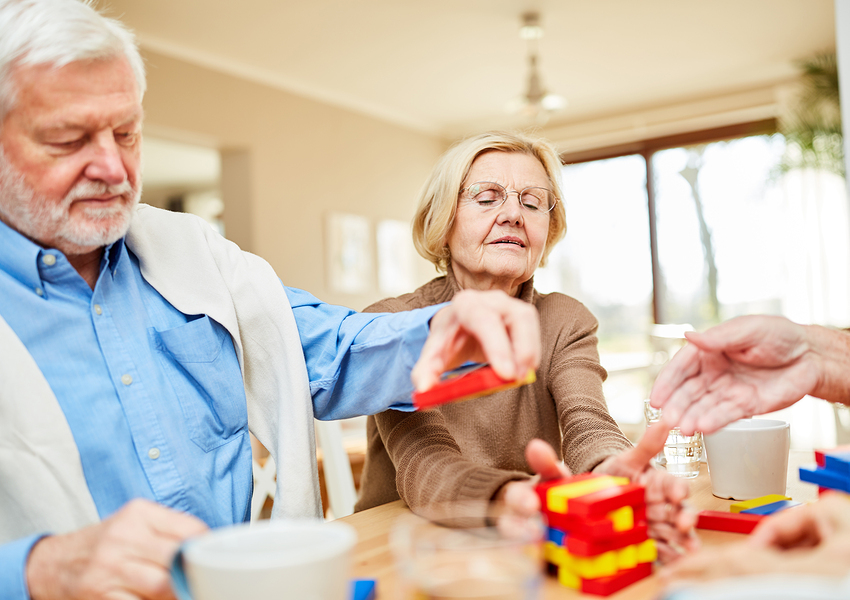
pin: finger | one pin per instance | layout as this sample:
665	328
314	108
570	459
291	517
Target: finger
146	580
543	460
684	365
521	499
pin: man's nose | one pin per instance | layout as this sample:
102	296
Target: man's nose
107	164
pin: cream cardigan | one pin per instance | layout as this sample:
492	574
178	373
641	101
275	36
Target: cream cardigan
42	486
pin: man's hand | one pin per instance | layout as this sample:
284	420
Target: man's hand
743	367
482	327
670	523
125	557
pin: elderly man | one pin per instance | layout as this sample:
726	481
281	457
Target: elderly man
137	346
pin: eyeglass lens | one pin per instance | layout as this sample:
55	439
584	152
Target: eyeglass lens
489	194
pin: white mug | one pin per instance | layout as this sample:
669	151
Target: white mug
298	559
749	458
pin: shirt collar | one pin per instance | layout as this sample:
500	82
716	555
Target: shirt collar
19	256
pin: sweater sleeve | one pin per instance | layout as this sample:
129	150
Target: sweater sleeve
588	431
429	464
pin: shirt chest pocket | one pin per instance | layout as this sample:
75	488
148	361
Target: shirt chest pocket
200	365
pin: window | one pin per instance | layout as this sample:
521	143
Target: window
692	230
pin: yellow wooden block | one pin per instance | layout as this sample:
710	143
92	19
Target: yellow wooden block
646	551
569	579
557	555
558	496
627	558
591	567
622	518
761	501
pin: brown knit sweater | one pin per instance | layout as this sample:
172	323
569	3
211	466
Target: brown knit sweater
468	450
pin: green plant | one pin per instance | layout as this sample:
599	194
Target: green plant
813	129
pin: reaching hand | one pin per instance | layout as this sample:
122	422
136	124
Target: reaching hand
127	556
811	540
482	327
670	522
743	367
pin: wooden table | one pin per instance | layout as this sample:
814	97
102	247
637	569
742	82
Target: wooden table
373	559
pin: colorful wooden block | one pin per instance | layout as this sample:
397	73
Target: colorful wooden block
542	488
840	463
761	501
623	518
556	536
596	528
647	551
825	478
591	567
569	579
467	383
627	558
769	509
555	554
363	589
820	454
608	585
559	497
579	546
727	521
604	501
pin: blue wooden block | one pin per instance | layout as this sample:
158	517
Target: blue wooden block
556	536
825	478
838	462
769	509
363	589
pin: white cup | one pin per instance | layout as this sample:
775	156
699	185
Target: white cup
749	458
303	559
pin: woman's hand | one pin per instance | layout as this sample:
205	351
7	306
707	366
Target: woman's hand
670	522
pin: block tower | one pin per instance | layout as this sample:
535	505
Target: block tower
832	470
597	539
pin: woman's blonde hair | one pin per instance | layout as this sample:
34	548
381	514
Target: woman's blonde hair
437	206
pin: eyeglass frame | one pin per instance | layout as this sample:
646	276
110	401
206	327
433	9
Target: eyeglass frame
518	196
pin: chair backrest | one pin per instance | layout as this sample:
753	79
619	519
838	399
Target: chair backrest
337	468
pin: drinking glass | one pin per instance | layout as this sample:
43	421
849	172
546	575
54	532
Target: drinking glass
468	551
682	453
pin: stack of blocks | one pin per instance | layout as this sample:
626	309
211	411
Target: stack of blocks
832	470
597	537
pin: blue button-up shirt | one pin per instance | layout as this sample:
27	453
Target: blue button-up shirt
154	398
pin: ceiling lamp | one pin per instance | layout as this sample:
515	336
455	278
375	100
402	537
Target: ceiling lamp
536	103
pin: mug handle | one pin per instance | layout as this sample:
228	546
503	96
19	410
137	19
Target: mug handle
178	577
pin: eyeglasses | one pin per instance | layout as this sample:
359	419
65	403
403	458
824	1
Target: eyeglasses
488	194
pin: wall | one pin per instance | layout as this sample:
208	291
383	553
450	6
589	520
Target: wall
287	161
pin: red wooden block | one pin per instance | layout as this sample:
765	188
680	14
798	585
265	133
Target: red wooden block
581	546
544	486
605	586
640	514
727	521
820	455
472	382
604	501
597	529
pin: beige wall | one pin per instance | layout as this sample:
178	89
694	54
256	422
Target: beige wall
287	162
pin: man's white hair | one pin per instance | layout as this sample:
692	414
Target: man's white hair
59	32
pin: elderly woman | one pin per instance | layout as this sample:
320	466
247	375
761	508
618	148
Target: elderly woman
488	216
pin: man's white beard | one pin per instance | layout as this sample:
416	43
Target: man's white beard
48	222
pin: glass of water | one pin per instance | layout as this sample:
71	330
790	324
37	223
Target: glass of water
682	453
468	551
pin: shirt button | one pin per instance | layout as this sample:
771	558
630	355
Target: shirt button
153	453
98	309
126	379
49	260
39	292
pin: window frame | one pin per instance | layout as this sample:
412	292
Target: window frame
647	148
